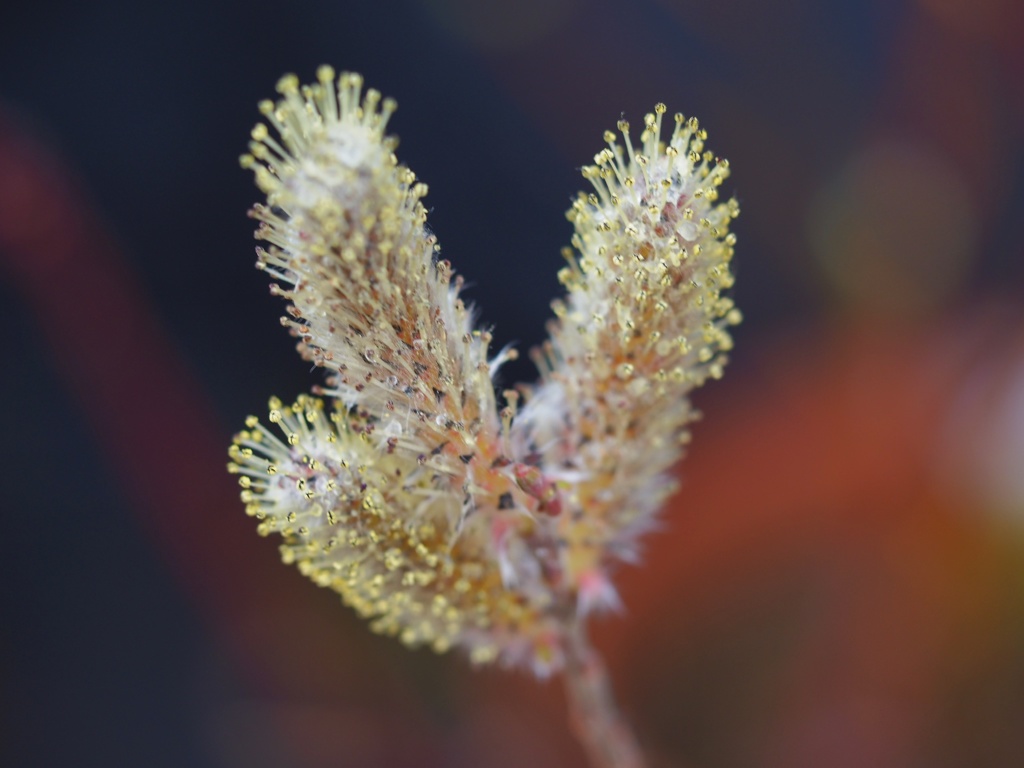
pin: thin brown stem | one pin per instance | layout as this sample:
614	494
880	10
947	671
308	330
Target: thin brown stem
607	737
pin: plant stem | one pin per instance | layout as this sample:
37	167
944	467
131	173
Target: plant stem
606	736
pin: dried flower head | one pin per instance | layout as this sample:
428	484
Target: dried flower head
447	521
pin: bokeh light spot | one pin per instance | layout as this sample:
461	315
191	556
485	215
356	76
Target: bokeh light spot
895	230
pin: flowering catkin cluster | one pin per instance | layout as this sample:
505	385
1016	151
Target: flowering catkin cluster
445	520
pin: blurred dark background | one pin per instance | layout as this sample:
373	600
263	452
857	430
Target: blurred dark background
841	580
